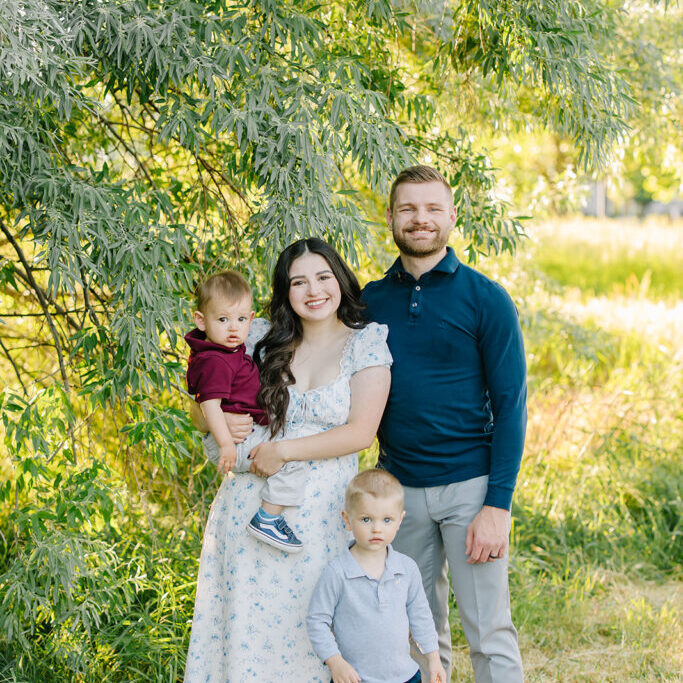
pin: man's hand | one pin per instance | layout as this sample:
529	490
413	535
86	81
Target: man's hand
488	536
227	457
240	426
267	458
341	670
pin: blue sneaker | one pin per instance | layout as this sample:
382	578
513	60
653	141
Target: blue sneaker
275	532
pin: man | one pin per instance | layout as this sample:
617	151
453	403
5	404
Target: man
454	425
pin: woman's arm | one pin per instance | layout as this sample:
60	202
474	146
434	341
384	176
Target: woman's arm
369	393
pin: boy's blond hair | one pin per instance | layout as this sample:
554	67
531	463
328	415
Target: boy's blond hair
376	483
228	283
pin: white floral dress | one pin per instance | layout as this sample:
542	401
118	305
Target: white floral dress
250	609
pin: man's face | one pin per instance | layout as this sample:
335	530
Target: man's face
422	219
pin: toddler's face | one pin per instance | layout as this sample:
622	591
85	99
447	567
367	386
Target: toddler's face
225	322
374	521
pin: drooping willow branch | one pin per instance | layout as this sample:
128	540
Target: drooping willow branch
43	303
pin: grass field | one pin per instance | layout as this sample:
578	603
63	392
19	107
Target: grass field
597	546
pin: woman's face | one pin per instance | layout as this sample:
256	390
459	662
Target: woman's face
314	292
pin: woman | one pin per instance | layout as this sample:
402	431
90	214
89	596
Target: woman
325	380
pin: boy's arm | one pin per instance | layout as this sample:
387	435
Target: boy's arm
215	418
239	424
437	674
321	609
422	625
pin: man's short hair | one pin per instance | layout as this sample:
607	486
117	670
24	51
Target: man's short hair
376	483
417	174
228	284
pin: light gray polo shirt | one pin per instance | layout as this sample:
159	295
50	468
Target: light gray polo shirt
369	621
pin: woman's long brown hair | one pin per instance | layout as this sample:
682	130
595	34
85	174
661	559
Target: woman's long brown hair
275	351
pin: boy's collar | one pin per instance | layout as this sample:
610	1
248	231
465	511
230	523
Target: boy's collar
353	570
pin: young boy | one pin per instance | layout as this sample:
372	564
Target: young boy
370	598
224	379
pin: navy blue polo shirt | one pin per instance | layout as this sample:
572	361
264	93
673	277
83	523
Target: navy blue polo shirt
457	405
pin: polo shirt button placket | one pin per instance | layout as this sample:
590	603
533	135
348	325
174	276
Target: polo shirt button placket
380	595
416	300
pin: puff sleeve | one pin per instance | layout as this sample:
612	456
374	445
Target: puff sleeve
369	348
257	331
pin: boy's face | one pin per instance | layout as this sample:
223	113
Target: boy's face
374	521
225	322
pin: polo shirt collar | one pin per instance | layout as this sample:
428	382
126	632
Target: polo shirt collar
352	570
448	264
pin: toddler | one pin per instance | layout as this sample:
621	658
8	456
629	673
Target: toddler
224	379
370	599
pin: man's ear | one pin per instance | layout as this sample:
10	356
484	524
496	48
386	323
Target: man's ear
454	214
389	216
199	320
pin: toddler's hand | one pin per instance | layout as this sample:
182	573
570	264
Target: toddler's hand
437	675
341	670
227	457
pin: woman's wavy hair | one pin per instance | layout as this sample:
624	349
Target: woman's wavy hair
275	351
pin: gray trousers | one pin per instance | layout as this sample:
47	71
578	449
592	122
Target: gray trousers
285	487
433	533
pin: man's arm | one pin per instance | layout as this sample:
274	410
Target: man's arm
502	352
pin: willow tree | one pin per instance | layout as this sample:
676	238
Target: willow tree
144	143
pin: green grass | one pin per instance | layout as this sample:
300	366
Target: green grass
612	258
612	273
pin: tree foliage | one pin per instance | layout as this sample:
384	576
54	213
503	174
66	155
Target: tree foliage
144	143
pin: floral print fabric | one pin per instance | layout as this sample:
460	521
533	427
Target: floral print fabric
250	610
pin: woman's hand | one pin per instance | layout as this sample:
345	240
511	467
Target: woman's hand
267	458
240	426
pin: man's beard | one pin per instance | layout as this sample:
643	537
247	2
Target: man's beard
421	249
